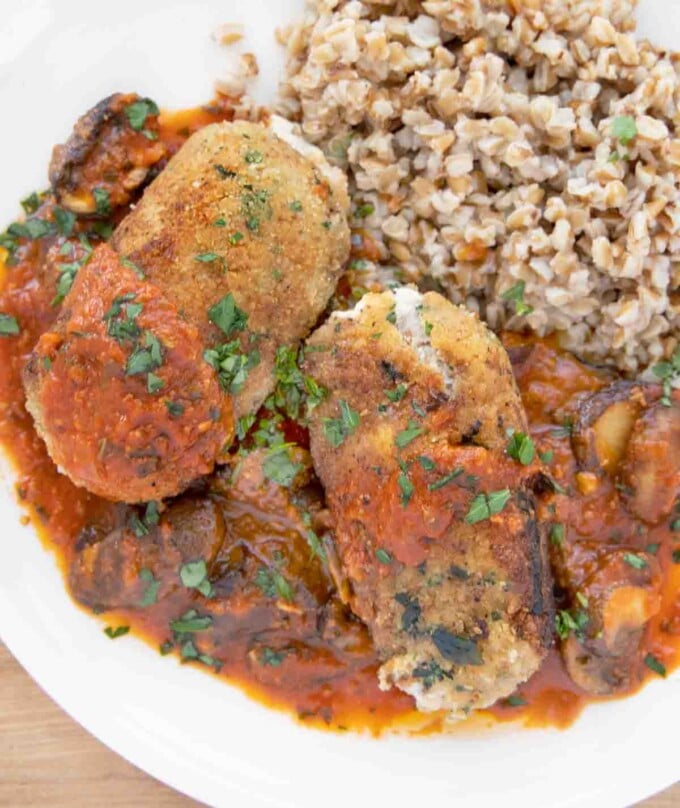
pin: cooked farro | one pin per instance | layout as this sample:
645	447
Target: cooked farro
503	143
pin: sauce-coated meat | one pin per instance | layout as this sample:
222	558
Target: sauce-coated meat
435	525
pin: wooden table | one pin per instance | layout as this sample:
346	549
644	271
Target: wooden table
48	759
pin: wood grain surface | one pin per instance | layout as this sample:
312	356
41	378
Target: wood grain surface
48	759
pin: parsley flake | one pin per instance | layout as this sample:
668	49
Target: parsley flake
516	294
273	585
279	468
227	316
139	111
406	487
521	448
483	506
191	622
624	129
655	665
102	201
337	430
668	373
150	595
634	561
408	435
9	327
446	479
118	631
194	575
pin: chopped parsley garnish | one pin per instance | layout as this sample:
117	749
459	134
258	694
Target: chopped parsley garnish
383	556
138	112
391	316
294	390
194	575
398	393
175	409
65	221
145	357
31	229
675	556
428	328
150	595
314	542
231	364
227	316
236	238
418	409
268	656
273	585
68	272
456	649
406	487
31	203
126	262
365	210
567	622
102	201
337	430
141	526
430	672
118	631
254	206
634	561
279	468
225	173
9	327
668	373
220	222
652	549
154	384
445	480
426	462
546	457
624	129
521	448
244	424
557	533
191	622
253	157
516	294
120	318
483	506
408	435
515	701
296	206
190	653
655	665
166	647
206	257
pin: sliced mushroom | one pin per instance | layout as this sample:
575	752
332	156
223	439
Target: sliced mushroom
108	574
604	424
650	472
108	155
615	601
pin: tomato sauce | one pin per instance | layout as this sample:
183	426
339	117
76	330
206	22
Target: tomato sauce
332	682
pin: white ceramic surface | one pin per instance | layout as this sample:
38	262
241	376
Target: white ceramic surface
57	57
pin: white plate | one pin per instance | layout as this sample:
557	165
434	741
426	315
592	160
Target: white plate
57	57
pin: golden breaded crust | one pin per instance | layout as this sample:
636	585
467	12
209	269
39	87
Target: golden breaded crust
404	444
238	210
